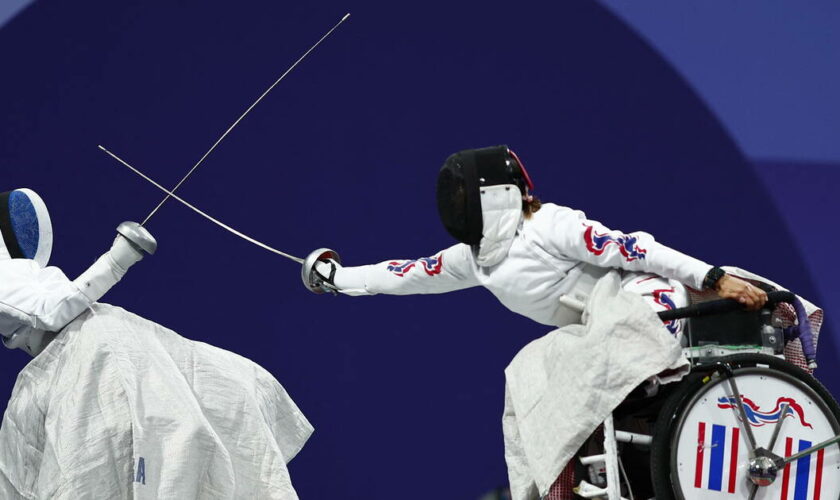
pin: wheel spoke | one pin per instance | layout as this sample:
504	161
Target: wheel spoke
777	427
753	491
730	378
817	447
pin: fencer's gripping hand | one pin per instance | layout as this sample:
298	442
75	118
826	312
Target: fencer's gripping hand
324	275
132	242
124	254
731	287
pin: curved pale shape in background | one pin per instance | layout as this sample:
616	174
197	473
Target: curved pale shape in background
769	70
8	9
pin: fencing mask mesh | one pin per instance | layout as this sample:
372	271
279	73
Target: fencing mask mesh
25	226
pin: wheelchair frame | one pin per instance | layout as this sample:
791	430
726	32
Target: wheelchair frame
764	465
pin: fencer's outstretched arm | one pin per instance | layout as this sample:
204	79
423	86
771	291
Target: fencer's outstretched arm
572	234
590	241
132	241
446	271
34	300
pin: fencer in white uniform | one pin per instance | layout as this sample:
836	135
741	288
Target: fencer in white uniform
116	406
539	260
543	261
37	300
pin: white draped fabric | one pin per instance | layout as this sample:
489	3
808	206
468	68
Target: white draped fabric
120	407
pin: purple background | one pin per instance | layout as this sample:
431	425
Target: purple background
405	393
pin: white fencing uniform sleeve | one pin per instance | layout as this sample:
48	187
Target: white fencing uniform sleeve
34	300
446	271
590	241
56	301
99	278
38	298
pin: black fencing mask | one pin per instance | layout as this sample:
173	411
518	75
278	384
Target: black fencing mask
460	181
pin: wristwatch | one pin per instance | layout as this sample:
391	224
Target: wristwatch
712	277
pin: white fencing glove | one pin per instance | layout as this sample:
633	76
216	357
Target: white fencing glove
124	253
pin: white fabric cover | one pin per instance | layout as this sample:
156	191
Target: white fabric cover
560	387
113	388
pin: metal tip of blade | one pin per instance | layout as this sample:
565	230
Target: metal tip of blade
345	17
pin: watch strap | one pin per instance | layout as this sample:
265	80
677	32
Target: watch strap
712	277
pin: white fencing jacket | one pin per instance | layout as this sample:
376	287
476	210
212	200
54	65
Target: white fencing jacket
36	300
576	374
557	252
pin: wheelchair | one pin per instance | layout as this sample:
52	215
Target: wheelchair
745	423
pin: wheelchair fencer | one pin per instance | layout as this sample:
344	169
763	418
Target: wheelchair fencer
745	423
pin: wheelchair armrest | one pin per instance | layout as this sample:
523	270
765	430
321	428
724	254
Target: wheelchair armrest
721	306
729	305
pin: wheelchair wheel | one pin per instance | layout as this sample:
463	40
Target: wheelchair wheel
700	446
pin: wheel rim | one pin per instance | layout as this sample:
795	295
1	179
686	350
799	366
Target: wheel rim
716	465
